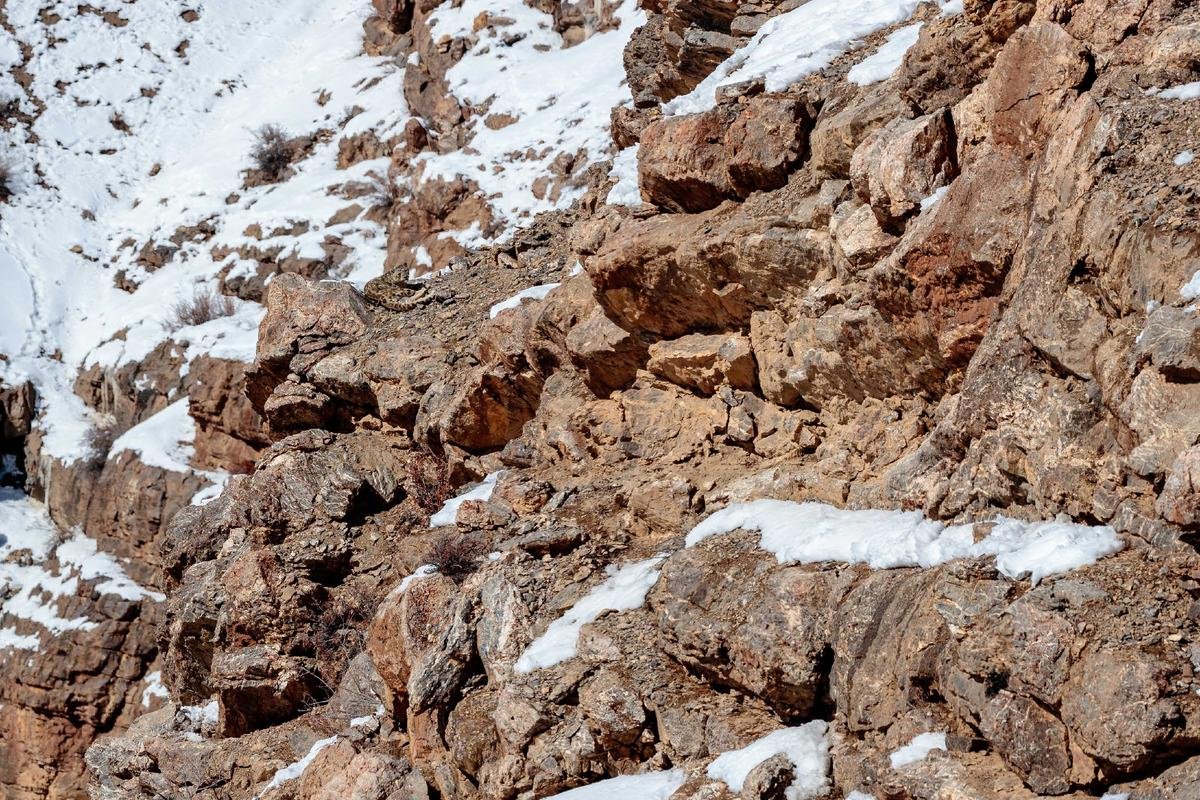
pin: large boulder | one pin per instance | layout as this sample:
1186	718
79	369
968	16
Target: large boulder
692	163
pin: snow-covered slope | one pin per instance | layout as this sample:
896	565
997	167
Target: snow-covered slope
559	99
141	117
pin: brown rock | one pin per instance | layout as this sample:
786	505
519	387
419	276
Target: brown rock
691	163
704	362
902	163
303	321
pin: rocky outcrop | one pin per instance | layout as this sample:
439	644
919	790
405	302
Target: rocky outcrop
954	291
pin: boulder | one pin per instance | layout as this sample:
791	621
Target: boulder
692	163
902	163
703	362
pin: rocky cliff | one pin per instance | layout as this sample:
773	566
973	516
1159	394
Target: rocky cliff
659	399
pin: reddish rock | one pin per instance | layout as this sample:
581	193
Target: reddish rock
691	163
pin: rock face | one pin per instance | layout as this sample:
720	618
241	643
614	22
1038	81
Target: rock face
692	163
959	291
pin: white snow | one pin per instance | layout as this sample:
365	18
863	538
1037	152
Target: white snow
884	62
421	572
448	513
359	722
626	191
163	440
806	746
154	688
532	293
921	745
648	786
92	564
814	532
1115	796
560	97
933	199
11	640
296	769
1191	289
190	115
32	590
1185	91
796	44
1183	158
857	795
625	589
202	718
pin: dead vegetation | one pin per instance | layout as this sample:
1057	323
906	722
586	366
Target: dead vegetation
341	633
100	439
457	555
382	192
8	179
204	306
428	482
271	152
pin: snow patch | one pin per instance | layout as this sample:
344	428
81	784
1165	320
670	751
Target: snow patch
420	573
11	640
201	718
917	749
624	590
448	513
32	590
648	786
884	62
806	746
92	564
626	191
154	688
359	722
532	293
117	117
1184	158
163	440
1185	91
554	99
813	532
795	44
933	199
1191	289
296	769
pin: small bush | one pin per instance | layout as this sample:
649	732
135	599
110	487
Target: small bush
271	151
100	439
382	191
205	305
429	482
455	555
8	179
340	632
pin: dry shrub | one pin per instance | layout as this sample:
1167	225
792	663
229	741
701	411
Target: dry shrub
8	179
205	305
271	151
341	633
382	191
429	482
456	555
100	439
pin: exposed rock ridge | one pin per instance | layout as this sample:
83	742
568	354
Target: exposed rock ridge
954	291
